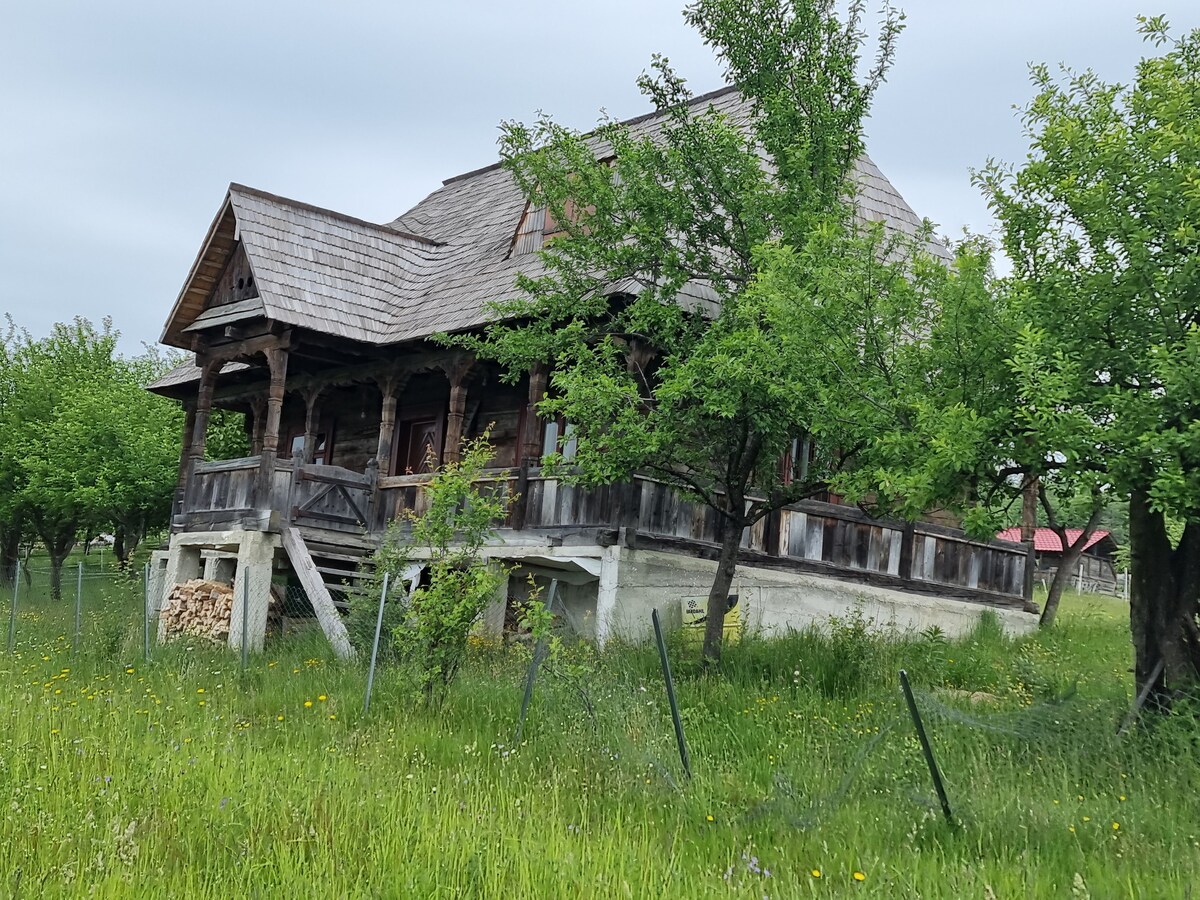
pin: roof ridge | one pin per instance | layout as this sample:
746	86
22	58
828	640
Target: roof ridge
636	120
310	207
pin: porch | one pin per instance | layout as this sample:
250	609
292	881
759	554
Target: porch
332	504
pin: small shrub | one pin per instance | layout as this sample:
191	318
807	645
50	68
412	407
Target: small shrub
430	629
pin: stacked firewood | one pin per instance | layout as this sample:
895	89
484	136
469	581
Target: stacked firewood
200	608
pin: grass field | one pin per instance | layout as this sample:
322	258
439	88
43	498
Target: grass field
182	778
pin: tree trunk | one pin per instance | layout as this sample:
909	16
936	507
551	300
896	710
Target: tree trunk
718	595
10	553
1164	589
1070	557
56	563
119	547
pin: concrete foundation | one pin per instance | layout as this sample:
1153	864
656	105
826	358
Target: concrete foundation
242	557
773	602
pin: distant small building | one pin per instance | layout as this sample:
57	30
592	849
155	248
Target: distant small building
1099	568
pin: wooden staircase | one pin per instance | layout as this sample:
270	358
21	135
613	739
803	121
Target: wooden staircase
343	568
327	571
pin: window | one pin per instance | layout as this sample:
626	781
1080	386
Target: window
552	444
320	452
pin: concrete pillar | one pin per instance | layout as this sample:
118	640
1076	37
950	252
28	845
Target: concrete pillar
255	566
183	564
606	595
158	579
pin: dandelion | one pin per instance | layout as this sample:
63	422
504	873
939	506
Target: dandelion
199	690
860	876
1116	826
129	671
1087	818
709	818
279	718
307	704
322	698
816	873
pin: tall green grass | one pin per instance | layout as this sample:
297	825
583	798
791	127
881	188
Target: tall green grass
182	777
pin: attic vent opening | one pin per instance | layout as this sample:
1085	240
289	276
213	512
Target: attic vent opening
241	284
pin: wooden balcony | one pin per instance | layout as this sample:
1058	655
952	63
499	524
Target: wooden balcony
810	536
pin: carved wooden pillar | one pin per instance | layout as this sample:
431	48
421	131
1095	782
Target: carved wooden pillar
198	416
258	421
458	374
277	361
208	379
189	428
311	395
531	443
390	386
531	449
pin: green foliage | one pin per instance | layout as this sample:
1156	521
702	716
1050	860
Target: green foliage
1101	225
711	309
447	536
788	776
85	448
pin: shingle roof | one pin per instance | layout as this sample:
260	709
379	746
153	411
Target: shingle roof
436	267
1046	540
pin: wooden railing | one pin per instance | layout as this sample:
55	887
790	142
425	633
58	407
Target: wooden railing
825	536
226	488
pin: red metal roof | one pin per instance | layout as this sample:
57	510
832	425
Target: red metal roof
1045	540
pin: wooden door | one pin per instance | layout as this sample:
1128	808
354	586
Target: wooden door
419	444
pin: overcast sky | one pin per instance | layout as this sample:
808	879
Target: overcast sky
121	123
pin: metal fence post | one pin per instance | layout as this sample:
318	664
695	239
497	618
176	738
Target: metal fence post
375	644
78	608
245	617
926	747
146	613
12	616
684	756
539	653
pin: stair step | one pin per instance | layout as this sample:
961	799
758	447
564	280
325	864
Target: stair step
336	556
343	573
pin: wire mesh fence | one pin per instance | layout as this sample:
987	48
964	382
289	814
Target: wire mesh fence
85	606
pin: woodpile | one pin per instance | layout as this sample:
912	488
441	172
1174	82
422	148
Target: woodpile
199	608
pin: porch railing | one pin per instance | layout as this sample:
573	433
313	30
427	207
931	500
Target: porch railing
825	536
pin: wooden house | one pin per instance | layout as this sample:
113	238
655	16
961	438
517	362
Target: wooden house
317	325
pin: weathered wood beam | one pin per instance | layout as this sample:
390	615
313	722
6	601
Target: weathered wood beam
365	373
277	359
531	442
240	350
318	593
458	374
258	421
311	396
390	386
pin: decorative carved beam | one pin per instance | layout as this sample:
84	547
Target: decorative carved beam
311	395
277	361
459	373
390	385
258	421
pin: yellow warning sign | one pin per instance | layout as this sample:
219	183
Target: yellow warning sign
695	617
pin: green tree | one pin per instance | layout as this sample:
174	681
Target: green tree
1102	223
430	629
712	314
87	449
